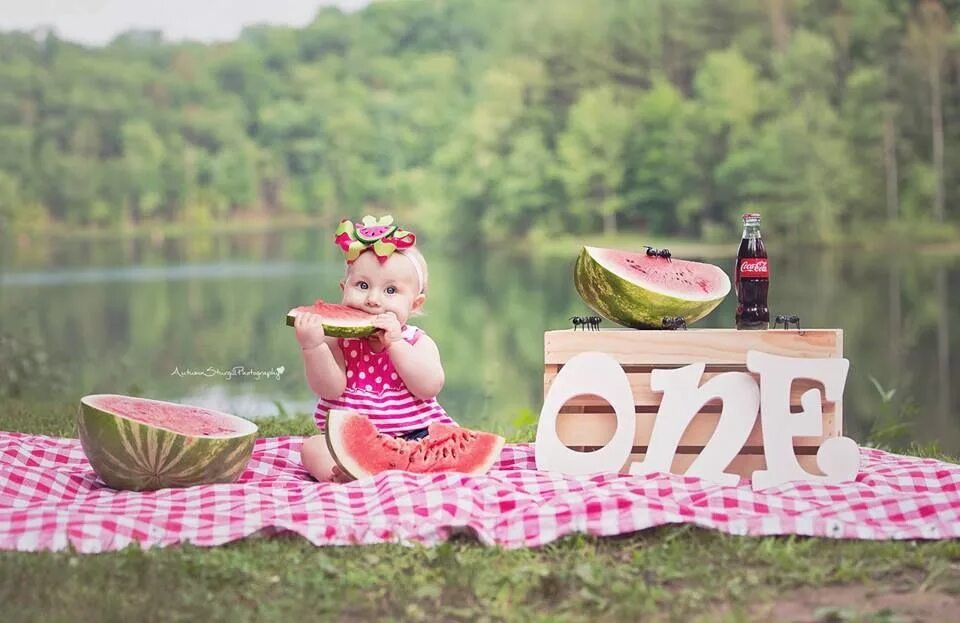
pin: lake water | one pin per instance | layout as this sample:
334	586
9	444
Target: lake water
201	319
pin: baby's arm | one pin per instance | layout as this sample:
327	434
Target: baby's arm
419	366
322	359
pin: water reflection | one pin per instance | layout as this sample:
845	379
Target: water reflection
121	315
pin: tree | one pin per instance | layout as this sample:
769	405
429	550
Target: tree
728	95
928	38
143	157
591	154
234	175
659	158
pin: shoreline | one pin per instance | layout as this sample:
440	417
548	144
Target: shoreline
922	238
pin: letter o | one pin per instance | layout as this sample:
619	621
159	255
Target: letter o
593	373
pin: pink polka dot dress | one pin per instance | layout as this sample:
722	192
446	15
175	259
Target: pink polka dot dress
375	389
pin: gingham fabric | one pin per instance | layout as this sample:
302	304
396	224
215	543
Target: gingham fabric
50	499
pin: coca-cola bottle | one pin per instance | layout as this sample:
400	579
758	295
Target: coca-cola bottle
752	277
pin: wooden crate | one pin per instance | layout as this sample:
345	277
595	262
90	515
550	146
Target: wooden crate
587	422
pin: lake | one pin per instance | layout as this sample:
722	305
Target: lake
200	319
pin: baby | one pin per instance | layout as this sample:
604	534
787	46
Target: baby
393	376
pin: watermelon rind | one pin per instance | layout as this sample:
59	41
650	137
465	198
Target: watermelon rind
636	305
135	456
337	419
338	328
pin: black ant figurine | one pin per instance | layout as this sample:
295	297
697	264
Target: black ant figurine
586	321
787	321
674	323
664	253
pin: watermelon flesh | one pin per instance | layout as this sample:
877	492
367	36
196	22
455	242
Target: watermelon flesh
140	444
360	450
338	320
638	290
186	420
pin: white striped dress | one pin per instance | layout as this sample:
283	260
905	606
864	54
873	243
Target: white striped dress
375	389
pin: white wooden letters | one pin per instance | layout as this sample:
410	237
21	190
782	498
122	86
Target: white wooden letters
683	397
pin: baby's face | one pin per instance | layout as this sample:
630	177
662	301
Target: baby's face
378	288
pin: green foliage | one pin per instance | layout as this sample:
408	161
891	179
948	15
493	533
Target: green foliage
591	153
671	117
26	369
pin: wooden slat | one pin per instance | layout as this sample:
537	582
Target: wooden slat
643	395
596	429
742	464
838	352
719	346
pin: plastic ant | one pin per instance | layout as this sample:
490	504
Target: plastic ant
593	322
664	253
787	321
674	322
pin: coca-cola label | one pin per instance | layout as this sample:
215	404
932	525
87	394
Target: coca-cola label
754	268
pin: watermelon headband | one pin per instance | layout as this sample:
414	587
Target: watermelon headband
379	235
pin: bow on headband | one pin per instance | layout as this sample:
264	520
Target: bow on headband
381	235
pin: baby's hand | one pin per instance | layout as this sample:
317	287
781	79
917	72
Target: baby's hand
391	329
309	329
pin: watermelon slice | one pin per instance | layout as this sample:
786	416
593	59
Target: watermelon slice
640	290
338	320
140	444
375	232
361	450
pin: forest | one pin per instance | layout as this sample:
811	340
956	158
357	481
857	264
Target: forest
497	119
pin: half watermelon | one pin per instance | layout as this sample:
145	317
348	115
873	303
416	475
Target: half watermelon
140	444
338	320
639	290
361	450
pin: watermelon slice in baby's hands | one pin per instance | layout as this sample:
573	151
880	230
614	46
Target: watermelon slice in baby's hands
361	450
338	320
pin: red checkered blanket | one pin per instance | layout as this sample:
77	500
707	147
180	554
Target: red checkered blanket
50	499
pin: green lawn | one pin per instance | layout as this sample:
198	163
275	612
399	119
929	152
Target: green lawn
671	573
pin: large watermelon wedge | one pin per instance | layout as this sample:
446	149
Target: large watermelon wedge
639	290
141	444
338	320
361	450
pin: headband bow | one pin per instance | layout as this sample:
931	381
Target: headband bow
381	235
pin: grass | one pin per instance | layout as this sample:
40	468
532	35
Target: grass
672	573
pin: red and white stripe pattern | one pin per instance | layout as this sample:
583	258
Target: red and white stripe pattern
375	389
50	499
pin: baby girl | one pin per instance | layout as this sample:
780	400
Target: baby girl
393	376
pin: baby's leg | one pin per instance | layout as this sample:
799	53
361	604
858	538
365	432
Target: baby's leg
316	458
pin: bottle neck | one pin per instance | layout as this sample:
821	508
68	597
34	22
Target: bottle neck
751	231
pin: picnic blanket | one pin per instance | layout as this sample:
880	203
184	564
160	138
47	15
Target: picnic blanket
50	499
